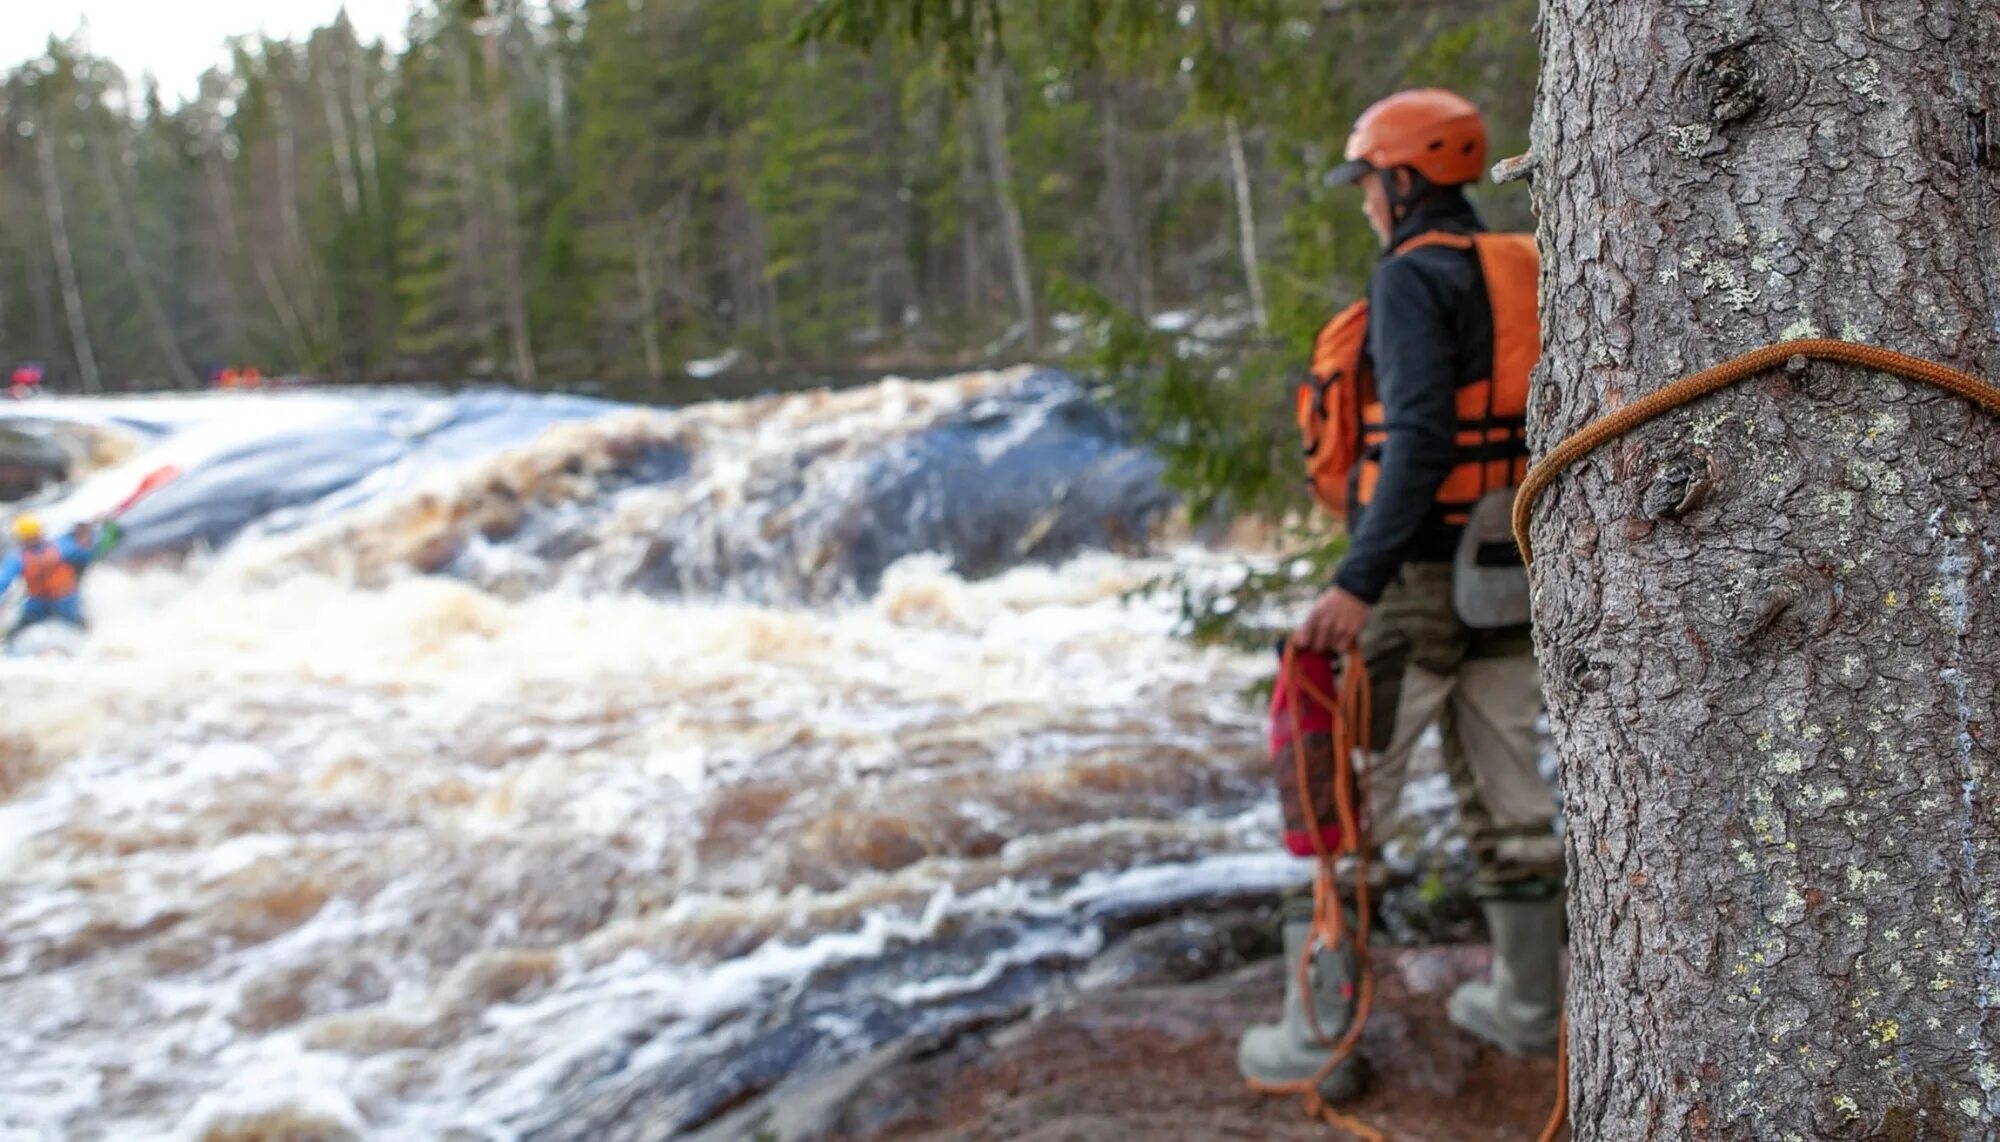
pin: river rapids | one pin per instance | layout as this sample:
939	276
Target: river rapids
493	766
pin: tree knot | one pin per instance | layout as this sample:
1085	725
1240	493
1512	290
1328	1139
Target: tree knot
1678	486
1731	82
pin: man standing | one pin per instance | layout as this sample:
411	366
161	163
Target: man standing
1438	389
52	572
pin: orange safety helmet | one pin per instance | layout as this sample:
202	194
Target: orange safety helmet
1437	133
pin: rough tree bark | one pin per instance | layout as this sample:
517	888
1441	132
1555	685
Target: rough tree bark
1765	620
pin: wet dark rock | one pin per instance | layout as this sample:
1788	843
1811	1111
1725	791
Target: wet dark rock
283	477
1184	949
1031	472
29	463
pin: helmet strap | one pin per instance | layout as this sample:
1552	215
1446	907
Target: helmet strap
1405	188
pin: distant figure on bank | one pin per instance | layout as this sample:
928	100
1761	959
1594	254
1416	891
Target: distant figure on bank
53	572
26	382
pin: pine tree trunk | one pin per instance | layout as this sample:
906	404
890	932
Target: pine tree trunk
900	302
475	235
364	120
971	272
1121	207
135	266
1246	223
1766	620
215	168
255	253
304	286
344	158
514	285
46	337
649	298
72	293
993	119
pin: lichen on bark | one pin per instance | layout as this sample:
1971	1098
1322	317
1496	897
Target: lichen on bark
1775	699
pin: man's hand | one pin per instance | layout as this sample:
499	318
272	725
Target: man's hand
1334	625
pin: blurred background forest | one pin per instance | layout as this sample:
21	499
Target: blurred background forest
645	195
614	188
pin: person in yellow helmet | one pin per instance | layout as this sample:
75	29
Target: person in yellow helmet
52	571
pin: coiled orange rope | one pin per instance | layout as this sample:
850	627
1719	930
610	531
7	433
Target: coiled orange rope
1330	929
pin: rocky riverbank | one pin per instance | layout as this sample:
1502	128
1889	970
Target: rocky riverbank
1144	1048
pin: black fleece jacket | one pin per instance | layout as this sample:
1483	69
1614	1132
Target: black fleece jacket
1430	331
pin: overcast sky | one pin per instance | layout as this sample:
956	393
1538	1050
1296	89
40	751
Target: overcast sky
176	40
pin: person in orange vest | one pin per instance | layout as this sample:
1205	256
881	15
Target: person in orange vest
1415	429
52	572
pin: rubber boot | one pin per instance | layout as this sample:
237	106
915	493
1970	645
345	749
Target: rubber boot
1285	1051
1517	1010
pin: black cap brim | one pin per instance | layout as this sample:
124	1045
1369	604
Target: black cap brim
1348	173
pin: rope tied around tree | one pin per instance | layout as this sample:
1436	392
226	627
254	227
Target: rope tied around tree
1612	425
1688	389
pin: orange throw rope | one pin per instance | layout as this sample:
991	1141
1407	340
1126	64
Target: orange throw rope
1330	929
1560	1115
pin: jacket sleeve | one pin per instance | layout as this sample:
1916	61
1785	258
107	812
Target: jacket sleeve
10	570
1413	346
74	553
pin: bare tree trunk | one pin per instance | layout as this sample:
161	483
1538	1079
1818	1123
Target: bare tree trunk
558	101
649	298
475	236
993	117
46	337
72	293
364	121
255	253
1765	620
968	216
1246	223
900	300
514	286
135	266
1121	207
767	286
291	220
344	160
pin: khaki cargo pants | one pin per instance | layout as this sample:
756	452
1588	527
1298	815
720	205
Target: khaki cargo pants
1482	691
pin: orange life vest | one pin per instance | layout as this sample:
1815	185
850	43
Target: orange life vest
46	573
1340	415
